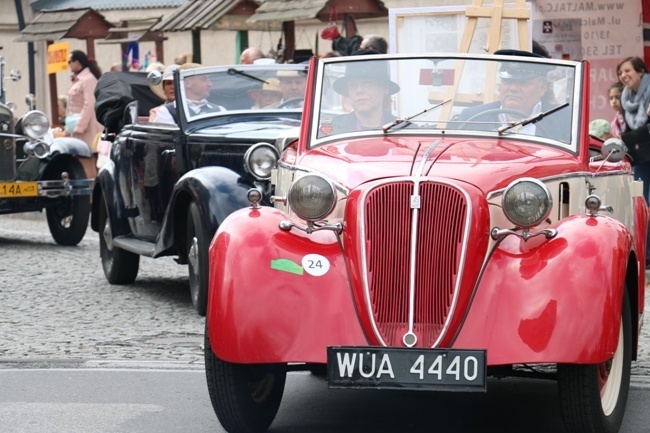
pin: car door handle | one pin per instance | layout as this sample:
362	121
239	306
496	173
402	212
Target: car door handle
169	152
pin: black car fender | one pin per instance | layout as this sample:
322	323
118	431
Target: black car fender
217	191
106	186
70	145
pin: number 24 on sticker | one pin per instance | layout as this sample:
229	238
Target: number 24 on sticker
315	265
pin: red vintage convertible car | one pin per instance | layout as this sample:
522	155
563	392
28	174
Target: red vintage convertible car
439	220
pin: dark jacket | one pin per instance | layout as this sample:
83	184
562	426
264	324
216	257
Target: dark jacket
556	125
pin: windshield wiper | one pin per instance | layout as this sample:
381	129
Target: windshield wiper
391	125
531	119
233	71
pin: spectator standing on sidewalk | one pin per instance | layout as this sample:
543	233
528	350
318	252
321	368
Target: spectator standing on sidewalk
80	119
617	125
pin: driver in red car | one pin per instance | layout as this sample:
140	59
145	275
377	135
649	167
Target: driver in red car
524	91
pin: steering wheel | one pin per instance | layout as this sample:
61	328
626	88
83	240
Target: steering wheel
291	103
494	112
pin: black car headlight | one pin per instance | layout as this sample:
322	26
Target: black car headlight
312	197
260	159
35	124
527	202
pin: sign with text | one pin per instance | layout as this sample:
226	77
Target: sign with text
606	32
57	57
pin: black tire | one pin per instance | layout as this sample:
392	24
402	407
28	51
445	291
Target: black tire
246	398
584	410
198	241
68	220
120	266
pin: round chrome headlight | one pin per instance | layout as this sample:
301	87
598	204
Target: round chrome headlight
260	159
312	197
527	202
35	124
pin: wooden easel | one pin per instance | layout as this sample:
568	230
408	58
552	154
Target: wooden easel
496	13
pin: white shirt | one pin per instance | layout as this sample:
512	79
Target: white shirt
164	116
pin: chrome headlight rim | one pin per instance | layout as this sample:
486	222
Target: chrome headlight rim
536	215
249	160
35	124
326	202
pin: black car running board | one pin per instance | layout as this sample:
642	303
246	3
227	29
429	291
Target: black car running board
136	246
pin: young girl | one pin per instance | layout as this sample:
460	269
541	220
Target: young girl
618	123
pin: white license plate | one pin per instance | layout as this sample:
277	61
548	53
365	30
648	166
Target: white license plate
402	368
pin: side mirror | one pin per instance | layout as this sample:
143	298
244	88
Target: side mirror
15	75
30	100
613	150
154	77
131	113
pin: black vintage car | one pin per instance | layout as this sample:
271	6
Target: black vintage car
39	172
168	186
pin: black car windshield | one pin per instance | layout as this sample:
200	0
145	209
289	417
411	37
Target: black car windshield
213	91
487	95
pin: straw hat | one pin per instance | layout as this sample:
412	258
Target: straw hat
168	75
271	85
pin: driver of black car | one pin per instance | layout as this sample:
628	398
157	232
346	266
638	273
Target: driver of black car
524	91
197	90
292	85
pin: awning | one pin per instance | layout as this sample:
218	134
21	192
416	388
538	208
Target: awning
138	30
67	23
203	14
296	10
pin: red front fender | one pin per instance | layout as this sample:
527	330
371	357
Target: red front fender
552	300
264	305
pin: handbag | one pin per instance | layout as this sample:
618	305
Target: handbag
71	122
331	32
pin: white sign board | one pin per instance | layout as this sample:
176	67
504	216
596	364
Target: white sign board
440	29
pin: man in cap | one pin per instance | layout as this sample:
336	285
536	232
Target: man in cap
367	86
524	91
197	90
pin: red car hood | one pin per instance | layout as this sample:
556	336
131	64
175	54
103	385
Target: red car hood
486	163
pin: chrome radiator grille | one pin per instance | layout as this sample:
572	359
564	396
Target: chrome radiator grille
388	231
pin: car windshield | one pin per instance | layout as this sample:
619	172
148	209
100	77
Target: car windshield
487	95
213	91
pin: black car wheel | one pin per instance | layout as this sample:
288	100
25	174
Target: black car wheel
68	219
120	266
593	397
245	397
198	241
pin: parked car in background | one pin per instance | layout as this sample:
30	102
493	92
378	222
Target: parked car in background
168	187
427	235
39	172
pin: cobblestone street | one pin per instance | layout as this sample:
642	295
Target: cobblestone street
57	305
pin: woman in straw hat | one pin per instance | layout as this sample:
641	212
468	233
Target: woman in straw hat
268	95
164	90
